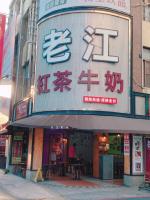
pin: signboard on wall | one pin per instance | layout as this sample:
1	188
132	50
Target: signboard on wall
137	155
83	66
50	6
22	109
147	160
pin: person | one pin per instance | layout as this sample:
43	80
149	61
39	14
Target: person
72	156
72	153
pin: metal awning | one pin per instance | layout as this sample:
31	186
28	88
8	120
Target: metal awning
87	122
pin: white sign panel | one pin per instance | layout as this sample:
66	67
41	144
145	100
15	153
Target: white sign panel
137	157
126	145
83	63
50	6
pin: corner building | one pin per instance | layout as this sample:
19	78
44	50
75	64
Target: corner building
89	82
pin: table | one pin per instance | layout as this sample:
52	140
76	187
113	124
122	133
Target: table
53	169
76	171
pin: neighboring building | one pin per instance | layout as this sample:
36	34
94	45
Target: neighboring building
81	76
4	100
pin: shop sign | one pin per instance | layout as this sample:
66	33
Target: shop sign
137	155
77	62
103	100
147	160
126	144
16	160
18	137
49	6
21	110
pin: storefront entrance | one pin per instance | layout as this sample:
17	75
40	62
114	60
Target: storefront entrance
19	153
111	156
56	160
55	153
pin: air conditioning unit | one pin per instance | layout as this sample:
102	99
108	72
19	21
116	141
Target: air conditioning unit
146	90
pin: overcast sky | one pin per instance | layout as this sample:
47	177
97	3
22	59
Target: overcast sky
4	6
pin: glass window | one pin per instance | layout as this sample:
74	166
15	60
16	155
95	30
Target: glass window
146	70
146	13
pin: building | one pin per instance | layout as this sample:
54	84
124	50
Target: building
81	75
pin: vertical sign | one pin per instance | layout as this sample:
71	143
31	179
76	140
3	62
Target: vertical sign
2	31
137	155
147	160
126	145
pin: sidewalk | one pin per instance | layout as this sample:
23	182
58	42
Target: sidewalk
21	189
103	190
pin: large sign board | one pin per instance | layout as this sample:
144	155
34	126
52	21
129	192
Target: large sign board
50	6
83	66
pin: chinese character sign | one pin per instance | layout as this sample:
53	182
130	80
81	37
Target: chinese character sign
83	66
137	155
55	47
50	6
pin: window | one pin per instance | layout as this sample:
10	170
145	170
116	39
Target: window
146	13
146	68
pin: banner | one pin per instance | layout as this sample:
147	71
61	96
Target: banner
50	6
137	156
2	31
147	160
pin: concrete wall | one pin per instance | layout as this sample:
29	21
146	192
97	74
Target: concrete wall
146	33
133	180
136	11
30	150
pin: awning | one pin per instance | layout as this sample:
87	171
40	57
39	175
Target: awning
87	122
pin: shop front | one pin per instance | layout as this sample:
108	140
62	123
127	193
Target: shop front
98	154
81	74
83	83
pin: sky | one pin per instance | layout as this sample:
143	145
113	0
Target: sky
4	6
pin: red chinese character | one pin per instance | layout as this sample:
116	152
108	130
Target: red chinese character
112	80
42	84
88	80
62	82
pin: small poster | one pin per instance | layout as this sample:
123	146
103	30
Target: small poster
126	145
147	160
137	155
